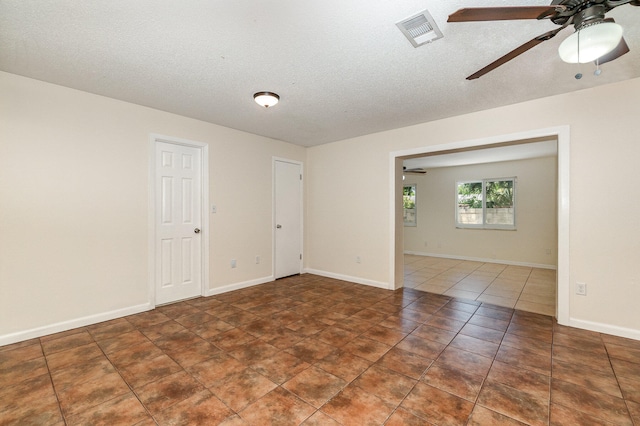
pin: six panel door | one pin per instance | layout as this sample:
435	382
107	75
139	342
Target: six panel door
178	244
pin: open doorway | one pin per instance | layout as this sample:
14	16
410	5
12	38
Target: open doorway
476	149
498	243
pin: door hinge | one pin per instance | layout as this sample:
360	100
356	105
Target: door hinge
300	256
301	177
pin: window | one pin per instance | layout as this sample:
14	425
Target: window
409	203
487	204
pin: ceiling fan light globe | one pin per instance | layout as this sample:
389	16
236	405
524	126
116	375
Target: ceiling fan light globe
595	41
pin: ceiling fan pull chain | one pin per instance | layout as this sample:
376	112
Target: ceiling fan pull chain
579	75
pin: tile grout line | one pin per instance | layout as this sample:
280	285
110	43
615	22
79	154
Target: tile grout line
626	403
53	385
120	374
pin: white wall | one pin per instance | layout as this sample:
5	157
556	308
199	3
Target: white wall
534	242
349	195
73	204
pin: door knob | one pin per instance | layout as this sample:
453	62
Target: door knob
278	226
197	230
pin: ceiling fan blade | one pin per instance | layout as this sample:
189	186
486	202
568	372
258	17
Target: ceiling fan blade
620	50
500	13
516	52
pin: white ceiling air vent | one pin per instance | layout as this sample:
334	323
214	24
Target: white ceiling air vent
420	28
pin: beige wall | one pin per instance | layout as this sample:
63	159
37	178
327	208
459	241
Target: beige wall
74	191
534	242
349	196
74	203
347	213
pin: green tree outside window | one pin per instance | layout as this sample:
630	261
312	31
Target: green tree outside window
488	203
409	204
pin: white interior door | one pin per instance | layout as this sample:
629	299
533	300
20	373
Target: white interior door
178	212
288	218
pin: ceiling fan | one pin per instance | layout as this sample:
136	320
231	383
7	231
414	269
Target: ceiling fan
583	14
417	170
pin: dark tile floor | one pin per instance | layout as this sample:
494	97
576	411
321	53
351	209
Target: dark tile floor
316	351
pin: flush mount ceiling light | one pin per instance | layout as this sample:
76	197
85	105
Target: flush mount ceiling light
590	42
266	99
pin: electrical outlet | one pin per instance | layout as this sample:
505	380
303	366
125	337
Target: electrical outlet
581	289
257	260
233	263
214	209
358	260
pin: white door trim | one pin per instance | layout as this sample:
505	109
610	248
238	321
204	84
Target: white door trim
151	222
273	211
562	133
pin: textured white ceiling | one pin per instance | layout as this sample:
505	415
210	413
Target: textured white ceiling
342	68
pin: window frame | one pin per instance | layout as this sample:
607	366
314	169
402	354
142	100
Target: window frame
484	225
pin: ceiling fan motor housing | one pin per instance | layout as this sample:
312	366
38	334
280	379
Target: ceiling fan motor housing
579	12
590	15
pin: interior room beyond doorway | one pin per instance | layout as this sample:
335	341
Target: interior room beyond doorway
517	268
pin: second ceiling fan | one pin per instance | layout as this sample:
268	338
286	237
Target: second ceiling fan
585	15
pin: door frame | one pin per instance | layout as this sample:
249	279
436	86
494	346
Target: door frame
151	219
273	211
563	136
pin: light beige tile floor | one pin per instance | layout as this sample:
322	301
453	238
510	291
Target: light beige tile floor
521	287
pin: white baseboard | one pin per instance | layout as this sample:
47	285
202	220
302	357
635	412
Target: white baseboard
356	280
614	330
484	260
238	286
58	327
